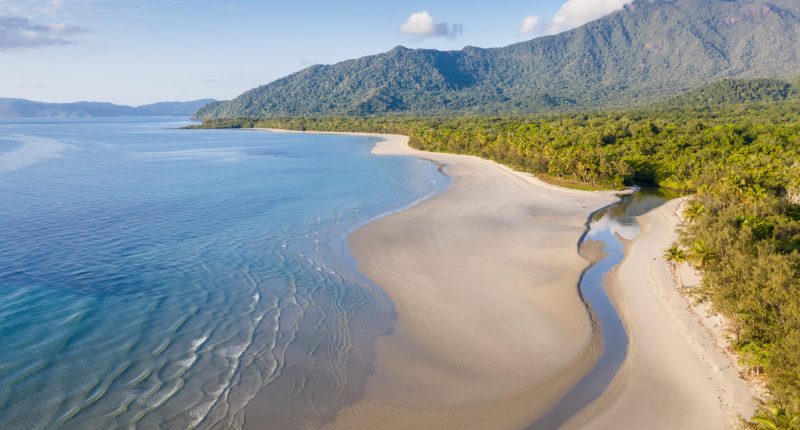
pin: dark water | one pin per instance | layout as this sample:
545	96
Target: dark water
607	226
152	277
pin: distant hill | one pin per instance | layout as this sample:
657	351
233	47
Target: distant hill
20	108
736	91
173	108
649	50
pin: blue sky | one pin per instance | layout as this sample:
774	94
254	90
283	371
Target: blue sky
137	52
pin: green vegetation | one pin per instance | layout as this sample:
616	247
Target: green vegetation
740	161
746	240
775	418
678	149
648	51
735	91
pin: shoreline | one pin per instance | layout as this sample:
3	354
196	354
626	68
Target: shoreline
676	374
491	330
431	370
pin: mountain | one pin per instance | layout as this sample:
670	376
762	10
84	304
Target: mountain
173	108
736	91
20	108
648	50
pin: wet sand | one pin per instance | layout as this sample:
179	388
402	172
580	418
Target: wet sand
676	376
490	329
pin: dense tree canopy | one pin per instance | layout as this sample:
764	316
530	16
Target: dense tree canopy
640	54
740	161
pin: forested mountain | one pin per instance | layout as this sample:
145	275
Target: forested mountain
648	50
20	108
735	91
740	161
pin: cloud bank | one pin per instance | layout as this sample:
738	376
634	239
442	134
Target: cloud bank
574	13
422	24
19	32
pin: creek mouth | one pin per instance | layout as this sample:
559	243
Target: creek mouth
603	243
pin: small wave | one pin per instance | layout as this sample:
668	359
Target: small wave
187	362
201	411
197	343
75	317
162	347
235	351
141	376
198	413
152	399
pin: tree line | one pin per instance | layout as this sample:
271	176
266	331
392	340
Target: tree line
740	163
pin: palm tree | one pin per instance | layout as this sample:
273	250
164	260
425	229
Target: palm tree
694	210
675	255
773	417
755	195
701	253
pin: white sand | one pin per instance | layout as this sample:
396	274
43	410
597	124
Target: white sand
676	376
491	330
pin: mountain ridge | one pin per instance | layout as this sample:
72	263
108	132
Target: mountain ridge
23	108
647	50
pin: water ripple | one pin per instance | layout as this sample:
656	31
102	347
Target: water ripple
170	290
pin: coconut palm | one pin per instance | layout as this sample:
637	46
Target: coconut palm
675	255
701	253
773	417
694	210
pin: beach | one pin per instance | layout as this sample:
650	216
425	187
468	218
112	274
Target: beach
676	374
490	328
491	331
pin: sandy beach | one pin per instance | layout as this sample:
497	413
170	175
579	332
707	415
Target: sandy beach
676	375
491	331
490	328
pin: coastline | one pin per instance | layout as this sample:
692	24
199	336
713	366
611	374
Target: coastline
486	339
676	375
490	329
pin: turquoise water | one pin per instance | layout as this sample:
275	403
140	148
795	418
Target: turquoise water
161	278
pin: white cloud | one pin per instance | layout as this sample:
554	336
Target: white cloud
422	24
574	13
19	32
529	24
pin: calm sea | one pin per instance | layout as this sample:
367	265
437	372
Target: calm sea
163	278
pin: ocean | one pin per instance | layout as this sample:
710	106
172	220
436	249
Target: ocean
155	277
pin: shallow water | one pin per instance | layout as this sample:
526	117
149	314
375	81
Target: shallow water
609	226
161	278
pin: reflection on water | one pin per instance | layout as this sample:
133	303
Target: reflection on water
160	278
608	226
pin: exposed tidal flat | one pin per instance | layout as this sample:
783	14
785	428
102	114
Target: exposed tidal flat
162	278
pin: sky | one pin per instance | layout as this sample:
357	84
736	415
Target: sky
138	52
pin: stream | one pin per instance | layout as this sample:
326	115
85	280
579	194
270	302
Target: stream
611	227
